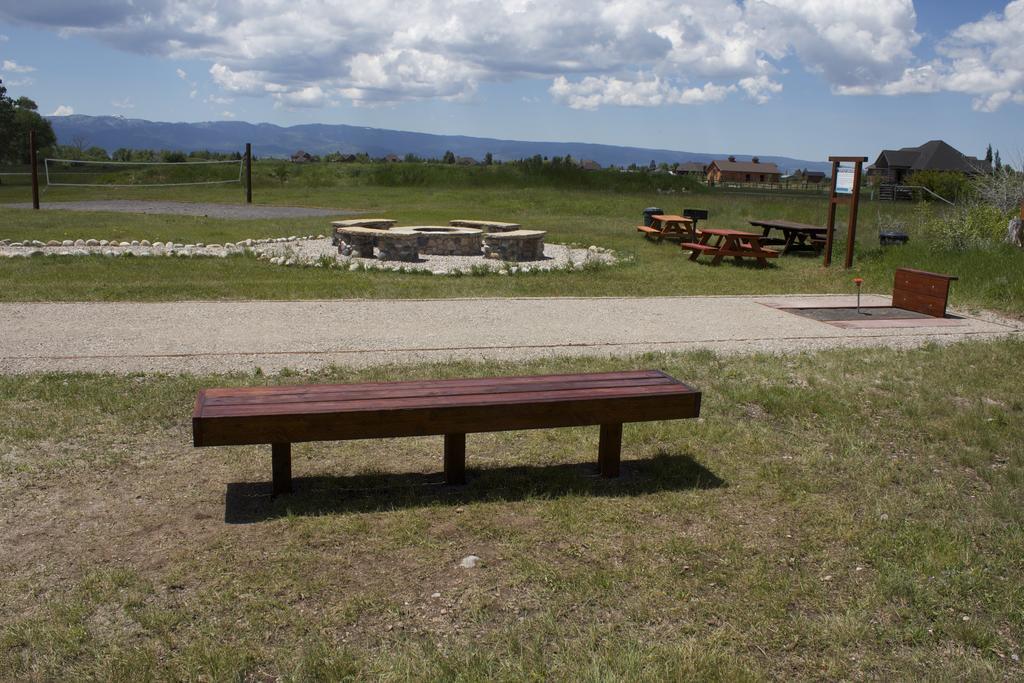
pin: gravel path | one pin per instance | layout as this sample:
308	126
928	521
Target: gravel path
241	336
190	209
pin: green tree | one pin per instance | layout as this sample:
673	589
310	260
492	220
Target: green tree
998	161
988	155
488	159
17	119
449	157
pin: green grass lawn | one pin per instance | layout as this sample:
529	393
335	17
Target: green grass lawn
989	278
839	515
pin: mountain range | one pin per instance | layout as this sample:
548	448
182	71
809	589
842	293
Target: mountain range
269	140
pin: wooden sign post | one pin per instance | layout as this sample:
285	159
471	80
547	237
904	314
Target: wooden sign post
845	190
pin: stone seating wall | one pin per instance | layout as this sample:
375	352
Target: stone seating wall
517	245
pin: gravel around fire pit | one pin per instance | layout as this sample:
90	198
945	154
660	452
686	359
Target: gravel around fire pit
320	251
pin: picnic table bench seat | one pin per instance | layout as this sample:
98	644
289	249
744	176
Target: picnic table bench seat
283	415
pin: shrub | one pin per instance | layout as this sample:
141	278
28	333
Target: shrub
972	226
951	185
1003	189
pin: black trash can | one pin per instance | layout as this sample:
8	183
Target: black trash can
651	211
889	237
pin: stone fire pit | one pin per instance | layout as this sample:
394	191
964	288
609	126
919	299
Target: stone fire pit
441	240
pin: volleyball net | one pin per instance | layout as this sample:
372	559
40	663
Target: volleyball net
80	173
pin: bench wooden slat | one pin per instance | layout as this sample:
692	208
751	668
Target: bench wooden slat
582	409
343	406
694	246
455	384
341	393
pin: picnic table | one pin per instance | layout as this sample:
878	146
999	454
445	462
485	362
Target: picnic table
720	243
668	225
796	236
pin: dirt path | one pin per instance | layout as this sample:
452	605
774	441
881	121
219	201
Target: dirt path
228	336
189	209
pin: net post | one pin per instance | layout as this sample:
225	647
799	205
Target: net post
35	168
248	173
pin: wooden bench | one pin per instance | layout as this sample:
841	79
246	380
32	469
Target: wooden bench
281	416
921	291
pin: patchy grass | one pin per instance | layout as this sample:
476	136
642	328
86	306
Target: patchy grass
840	515
988	278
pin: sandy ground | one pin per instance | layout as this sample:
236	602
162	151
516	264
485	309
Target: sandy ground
188	209
205	336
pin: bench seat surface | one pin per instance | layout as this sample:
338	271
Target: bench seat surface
287	414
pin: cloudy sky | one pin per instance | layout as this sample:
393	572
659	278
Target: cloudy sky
805	78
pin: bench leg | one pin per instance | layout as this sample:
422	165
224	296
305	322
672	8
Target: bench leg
455	459
281	454
609	450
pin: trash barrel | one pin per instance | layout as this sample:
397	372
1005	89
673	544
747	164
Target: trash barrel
890	237
650	211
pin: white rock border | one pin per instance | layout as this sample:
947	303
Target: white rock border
314	251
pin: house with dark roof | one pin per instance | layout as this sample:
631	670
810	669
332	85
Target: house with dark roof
732	171
894	165
691	168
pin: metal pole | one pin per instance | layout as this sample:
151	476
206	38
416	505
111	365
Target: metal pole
248	173
35	168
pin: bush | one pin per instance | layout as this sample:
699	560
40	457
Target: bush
1003	189
951	185
972	226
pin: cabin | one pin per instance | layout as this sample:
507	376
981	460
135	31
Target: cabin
732	171
894	165
815	178
301	157
590	165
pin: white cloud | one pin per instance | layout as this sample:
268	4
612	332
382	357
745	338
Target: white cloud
181	74
3	38
760	88
192	94
615	52
310	96
125	103
13	67
63	110
227	114
981	58
593	92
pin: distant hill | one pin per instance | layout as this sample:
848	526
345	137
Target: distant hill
112	132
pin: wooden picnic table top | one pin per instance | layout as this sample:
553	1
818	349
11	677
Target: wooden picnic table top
789	225
726	232
671	218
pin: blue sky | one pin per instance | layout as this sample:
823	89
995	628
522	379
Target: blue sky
802	78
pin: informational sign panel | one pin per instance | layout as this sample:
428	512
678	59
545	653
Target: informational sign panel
845	179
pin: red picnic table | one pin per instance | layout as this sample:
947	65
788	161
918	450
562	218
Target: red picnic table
668	225
735	243
796	236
